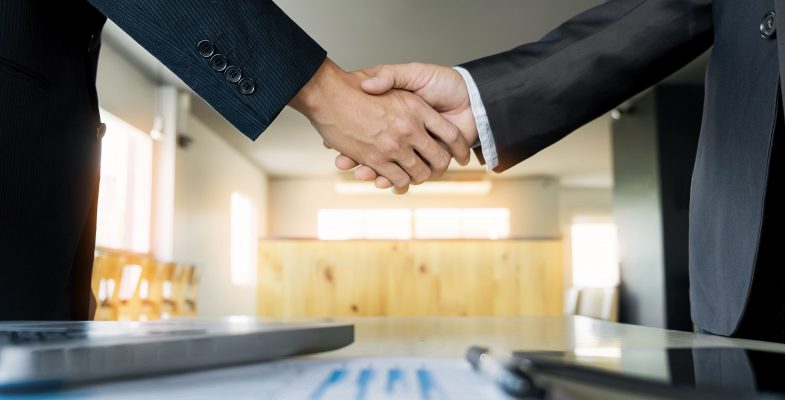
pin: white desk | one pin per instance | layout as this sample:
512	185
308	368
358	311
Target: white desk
442	338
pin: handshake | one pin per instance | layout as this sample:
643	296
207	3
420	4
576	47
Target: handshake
396	125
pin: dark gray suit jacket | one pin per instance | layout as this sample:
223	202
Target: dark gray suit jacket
49	146
538	93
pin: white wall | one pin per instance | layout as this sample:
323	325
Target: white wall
124	90
294	203
208	171
580	202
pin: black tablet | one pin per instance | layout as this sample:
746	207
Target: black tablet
692	373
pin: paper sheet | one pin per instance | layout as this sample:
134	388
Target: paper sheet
310	379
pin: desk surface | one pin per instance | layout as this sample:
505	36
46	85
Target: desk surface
450	337
427	338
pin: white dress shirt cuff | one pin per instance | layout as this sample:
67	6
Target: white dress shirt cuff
481	119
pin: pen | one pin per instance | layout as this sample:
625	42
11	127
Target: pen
504	371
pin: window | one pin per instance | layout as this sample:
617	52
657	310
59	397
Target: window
244	241
595	259
425	223
345	224
438	223
125	194
462	223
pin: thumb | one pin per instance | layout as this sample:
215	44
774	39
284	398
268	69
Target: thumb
387	77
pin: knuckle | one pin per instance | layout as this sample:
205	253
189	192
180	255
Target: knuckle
374	158
412	102
423	176
452	134
442	163
402	180
403	126
390	146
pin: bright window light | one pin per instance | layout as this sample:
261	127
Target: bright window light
424	223
438	223
595	259
341	224
388	224
462	223
485	223
125	194
346	224
244	241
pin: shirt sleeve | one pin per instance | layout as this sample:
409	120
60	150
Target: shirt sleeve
481	119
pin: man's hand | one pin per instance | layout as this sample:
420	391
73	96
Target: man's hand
441	87
390	133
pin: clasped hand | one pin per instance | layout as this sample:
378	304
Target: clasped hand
396	125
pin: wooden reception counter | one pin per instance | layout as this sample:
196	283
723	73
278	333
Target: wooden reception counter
410	278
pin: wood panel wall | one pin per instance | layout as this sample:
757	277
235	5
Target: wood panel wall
410	278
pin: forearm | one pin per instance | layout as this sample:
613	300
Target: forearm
254	35
312	99
538	93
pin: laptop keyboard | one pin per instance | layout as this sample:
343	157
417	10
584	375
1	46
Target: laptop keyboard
26	336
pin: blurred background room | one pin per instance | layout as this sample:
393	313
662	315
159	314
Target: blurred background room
197	220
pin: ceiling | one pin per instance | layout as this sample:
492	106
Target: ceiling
362	33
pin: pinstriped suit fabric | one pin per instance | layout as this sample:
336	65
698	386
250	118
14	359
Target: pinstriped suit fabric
49	152
255	35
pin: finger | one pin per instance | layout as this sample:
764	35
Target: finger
413	164
383	183
396	175
448	133
403	76
364	173
344	163
435	155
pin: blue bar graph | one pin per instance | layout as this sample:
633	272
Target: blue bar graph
363	382
428	388
335	377
395	381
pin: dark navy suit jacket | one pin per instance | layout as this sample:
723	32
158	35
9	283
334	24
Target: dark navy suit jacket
538	93
49	141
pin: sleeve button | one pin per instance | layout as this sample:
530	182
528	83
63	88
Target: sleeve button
206	48
218	62
233	74
247	86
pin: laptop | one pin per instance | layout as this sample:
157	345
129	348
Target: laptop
48	355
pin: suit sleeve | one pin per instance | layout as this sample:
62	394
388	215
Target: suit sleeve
538	93
270	50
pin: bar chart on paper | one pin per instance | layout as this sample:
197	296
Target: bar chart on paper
311	379
411	379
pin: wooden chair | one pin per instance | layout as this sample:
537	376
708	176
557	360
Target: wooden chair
168	273
191	290
571	300
106	277
600	303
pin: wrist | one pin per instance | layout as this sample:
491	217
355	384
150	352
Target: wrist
313	96
472	135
